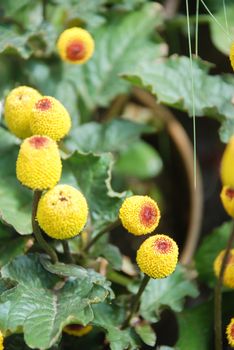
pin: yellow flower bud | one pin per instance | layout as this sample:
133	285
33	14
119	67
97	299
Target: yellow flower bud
230	333
227	165
77	330
227	198
62	212
75	45
1	341
228	278
139	215
49	117
231	56
39	165
157	256
17	110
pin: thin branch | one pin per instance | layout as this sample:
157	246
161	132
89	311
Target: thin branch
136	300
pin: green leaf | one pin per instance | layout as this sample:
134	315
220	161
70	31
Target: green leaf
15	200
11	247
110	317
226	131
220	39
89	12
108	137
208	251
139	160
168	292
119	45
11	7
196	327
213	94
39	41
41	306
110	252
92	174
146	333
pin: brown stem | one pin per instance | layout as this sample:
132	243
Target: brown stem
136	300
100	234
37	231
218	296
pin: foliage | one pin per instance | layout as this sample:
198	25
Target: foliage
110	152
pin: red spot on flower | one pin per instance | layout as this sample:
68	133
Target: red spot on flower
232	331
230	259
230	192
76	51
163	245
44	104
38	141
148	214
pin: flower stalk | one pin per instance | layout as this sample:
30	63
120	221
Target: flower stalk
37	231
136	301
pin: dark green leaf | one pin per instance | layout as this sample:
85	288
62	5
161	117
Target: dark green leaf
92	174
40	306
213	94
15	342
110	317
220	39
196	327
208	251
168	292
139	160
39	41
110	252
107	137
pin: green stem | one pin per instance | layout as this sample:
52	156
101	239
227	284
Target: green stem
118	278
67	252
136	300
100	234
37	231
218	296
44	14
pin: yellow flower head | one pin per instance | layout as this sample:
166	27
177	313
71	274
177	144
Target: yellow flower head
77	330
1	341
139	215
75	45
231	56
227	172
17	110
39	165
157	256
228	279
49	117
230	333
62	212
227	198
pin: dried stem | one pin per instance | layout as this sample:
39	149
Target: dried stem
218	296
37	231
